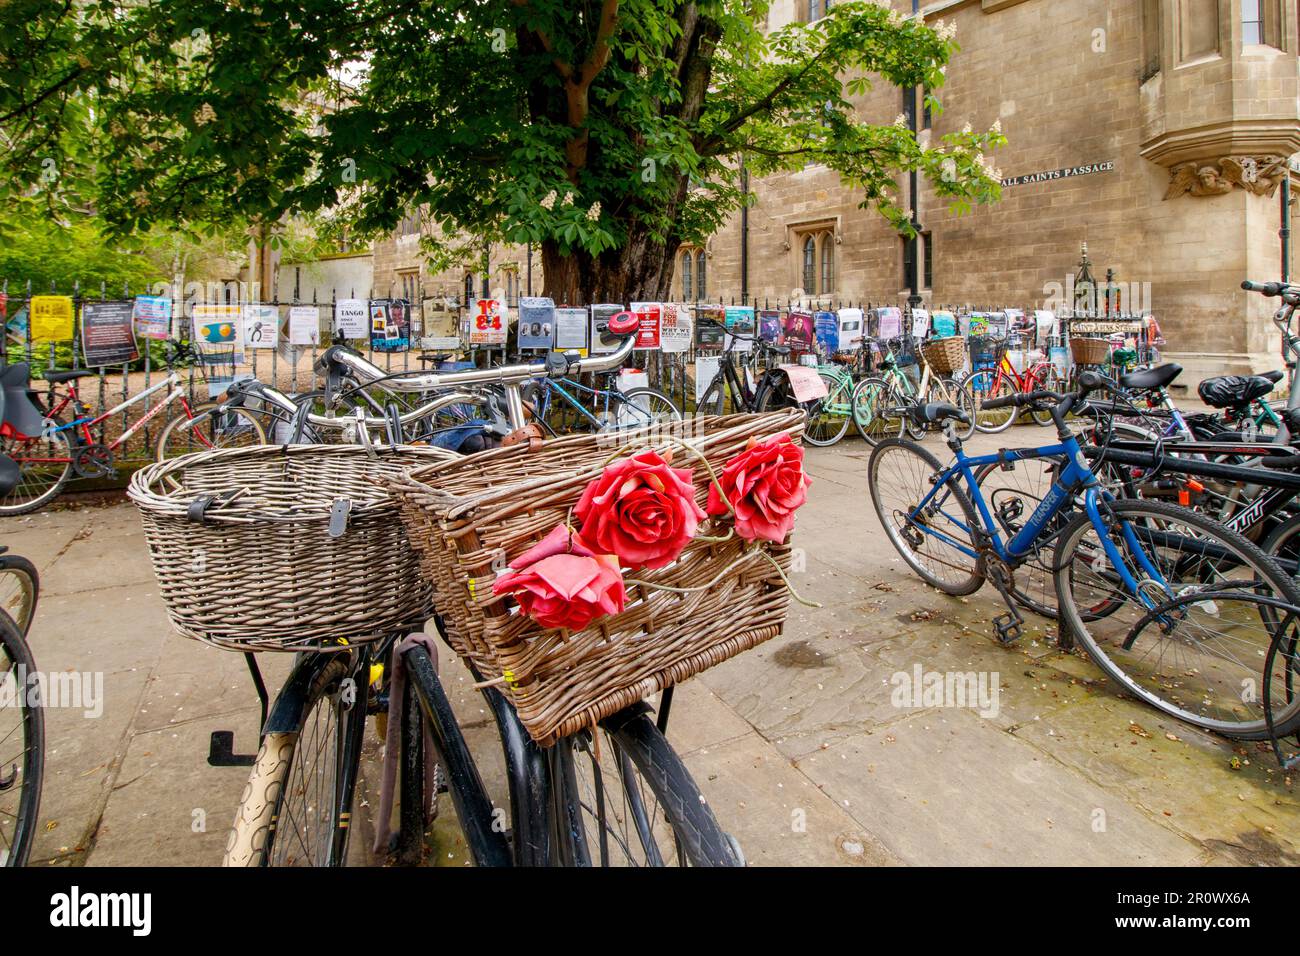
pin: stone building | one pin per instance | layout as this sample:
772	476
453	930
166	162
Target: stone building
1156	131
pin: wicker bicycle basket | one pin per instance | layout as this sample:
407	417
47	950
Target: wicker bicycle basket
283	548
945	355
470	518
1090	351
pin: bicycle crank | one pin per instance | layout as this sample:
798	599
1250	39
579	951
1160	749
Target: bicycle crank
1008	626
93	461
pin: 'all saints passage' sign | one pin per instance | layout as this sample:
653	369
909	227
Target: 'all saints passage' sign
1067	172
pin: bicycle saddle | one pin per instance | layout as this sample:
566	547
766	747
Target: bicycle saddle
19	412
1151	378
937	412
1232	391
57	377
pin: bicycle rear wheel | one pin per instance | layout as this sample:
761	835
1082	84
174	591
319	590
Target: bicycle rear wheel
44	467
1201	660
873	400
828	418
630	801
984	387
935	541
22	749
641	407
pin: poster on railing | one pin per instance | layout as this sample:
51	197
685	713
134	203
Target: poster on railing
536	322
217	336
649	317
826	326
488	324
1046	324
920	323
770	328
943	325
304	325
706	370
740	323
571	328
51	318
889	322
350	317
600	316
710	328
108	333
675	328
799	330
261	325
152	316
441	325
850	329
390	325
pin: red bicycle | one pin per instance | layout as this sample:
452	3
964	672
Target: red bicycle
1001	380
48	442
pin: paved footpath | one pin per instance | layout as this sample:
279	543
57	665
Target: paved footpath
797	744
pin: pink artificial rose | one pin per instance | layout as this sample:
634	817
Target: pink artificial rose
559	582
765	484
640	510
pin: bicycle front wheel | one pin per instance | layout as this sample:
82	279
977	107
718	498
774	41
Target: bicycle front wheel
984	387
290	812
22	749
828	418
212	425
641	407
873	404
20	586
630	801
1175	638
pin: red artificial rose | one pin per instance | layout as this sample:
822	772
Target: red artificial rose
560	583
765	485
640	510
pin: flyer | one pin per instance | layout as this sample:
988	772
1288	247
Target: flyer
600	316
390	325
827	327
710	328
850	331
769	326
675	327
920	323
51	318
739	320
108	334
488	325
216	334
153	316
649	325
350	319
304	325
889	322
261	326
536	322
799	330
571	326
441	325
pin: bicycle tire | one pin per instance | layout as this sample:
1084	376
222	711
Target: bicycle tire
183	433
869	396
928	467
21	604
1267	574
1040	379
15	502
989	421
647	415
32	721
259	831
835	389
960	396
698	838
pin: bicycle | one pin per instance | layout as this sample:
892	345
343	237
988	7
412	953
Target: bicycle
49	451
1001	380
562	404
619	793
1116	565
22	722
881	404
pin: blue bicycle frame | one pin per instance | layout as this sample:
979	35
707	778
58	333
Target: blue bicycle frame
1073	475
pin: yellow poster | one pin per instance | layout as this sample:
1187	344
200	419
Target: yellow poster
51	318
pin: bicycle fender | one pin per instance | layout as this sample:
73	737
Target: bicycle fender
286	713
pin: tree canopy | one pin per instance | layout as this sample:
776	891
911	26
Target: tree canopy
607	131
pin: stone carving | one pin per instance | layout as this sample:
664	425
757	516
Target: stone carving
1259	176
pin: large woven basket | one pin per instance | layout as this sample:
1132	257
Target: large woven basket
470	518
945	355
1090	351
278	566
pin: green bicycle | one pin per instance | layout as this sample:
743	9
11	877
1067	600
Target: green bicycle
880	402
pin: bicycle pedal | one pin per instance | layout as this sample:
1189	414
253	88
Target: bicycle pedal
1009	628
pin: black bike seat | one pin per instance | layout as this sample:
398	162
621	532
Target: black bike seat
1150	378
1233	391
937	412
1275	376
57	377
